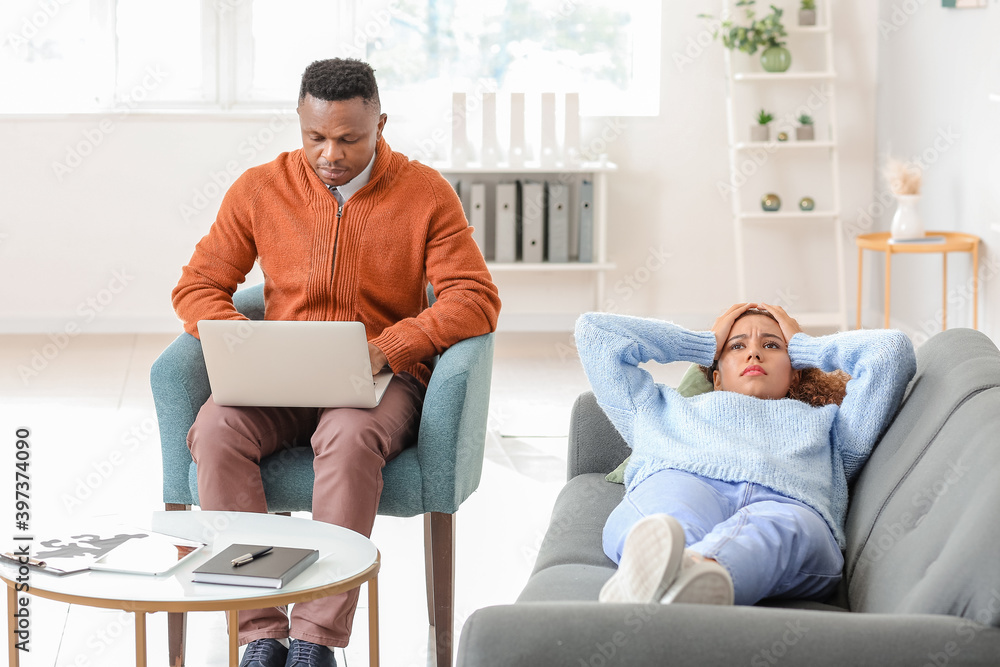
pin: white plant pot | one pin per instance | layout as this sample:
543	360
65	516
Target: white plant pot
807	17
805	133
760	132
906	223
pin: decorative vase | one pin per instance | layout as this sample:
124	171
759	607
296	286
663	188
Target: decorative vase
760	132
806	204
807	17
805	133
906	223
776	59
770	202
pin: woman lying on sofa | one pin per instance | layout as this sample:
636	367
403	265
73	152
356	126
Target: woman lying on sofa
738	494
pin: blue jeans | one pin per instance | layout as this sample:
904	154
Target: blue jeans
771	545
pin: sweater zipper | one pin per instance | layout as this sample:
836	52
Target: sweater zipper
336	237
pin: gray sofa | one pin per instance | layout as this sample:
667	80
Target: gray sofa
922	567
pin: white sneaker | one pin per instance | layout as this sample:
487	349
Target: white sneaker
650	560
700	581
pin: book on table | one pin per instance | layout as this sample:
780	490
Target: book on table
929	240
272	570
115	548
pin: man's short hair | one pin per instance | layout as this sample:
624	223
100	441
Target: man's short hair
340	79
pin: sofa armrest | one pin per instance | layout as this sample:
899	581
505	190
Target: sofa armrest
594	444
452	438
569	633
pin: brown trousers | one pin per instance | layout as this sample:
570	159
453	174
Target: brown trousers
351	447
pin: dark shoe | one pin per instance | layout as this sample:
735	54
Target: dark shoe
264	653
307	654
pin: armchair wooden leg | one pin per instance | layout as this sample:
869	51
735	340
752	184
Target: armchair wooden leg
439	552
176	622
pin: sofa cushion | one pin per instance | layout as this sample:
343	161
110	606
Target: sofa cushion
919	524
933	547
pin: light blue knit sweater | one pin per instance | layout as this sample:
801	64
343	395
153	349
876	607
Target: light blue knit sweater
803	452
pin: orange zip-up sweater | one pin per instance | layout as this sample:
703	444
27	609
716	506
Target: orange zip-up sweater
404	228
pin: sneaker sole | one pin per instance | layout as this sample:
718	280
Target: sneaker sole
651	558
705	583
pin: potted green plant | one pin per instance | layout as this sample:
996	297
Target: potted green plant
764	33
807	12
805	131
761	131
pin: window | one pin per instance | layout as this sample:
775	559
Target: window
91	55
607	50
161	53
50	57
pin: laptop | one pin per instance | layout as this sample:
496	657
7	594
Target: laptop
290	364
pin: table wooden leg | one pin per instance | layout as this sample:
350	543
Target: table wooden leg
373	657
12	652
944	291
888	285
975	286
858	321
234	638
140	639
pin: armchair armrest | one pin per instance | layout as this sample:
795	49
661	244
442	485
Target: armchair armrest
452	442
180	387
594	444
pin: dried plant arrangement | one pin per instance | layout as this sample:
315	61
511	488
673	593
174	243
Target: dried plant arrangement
903	176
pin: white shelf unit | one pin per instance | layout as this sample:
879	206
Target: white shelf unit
823	75
597	173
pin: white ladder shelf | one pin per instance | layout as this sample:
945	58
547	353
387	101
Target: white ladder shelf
738	150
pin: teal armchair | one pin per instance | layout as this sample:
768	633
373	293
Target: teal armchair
432	478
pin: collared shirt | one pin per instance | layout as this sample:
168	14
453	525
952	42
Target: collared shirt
356	183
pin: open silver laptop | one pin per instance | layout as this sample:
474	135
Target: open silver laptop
290	364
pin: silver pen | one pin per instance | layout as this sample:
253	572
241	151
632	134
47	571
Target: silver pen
246	558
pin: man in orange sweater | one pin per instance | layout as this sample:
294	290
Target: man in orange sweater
343	229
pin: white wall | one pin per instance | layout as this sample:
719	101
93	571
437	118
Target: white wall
937	68
62	240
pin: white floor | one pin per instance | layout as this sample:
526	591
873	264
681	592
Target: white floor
95	452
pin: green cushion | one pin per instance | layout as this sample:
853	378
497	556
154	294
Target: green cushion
693	383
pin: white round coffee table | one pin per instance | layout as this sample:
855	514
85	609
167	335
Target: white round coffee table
346	560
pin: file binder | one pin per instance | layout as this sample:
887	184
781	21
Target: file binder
477	214
557	200
585	211
506	223
532	221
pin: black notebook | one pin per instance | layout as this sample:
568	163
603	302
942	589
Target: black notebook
272	570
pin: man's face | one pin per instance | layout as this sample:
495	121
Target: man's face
755	360
339	138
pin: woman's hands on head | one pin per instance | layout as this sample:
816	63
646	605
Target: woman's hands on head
789	327
724	324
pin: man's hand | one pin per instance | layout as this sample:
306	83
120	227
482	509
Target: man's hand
789	327
379	360
724	324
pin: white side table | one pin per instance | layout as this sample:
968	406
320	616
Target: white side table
346	560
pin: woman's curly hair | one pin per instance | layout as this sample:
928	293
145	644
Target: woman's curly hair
814	387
